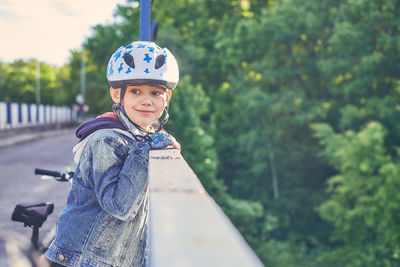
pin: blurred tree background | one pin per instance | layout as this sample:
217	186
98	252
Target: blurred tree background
288	111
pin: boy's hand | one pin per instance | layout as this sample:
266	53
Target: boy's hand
162	140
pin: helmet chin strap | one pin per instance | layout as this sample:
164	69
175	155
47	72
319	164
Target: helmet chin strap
164	121
124	119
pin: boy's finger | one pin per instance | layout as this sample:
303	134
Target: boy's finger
177	146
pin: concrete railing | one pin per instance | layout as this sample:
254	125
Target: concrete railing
15	115
187	227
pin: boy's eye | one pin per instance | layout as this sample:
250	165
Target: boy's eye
134	91
156	93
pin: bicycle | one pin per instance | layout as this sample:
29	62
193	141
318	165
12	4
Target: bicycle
35	214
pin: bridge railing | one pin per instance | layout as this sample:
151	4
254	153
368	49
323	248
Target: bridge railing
15	115
187	227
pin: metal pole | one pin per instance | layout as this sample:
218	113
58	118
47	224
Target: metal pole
145	19
83	76
38	82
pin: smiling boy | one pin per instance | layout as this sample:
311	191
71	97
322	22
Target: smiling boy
105	220
143	104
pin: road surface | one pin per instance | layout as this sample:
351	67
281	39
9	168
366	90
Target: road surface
19	184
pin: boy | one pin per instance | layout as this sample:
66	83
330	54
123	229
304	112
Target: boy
105	219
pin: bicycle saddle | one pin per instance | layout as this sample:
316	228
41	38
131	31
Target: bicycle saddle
32	214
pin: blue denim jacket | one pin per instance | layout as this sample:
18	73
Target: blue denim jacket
104	222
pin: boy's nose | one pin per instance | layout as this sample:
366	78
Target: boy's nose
147	99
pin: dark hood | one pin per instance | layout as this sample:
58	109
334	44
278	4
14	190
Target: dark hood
106	121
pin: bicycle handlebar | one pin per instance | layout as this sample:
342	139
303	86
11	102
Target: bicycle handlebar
61	177
46	172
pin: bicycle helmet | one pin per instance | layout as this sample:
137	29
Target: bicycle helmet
141	63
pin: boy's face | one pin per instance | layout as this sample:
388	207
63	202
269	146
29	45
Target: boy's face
144	104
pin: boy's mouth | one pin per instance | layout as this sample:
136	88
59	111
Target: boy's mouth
144	111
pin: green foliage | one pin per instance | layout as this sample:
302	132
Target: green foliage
246	215
281	254
18	82
363	206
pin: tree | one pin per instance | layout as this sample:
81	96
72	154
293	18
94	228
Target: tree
18	82
363	206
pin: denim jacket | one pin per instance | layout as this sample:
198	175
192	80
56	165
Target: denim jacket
104	222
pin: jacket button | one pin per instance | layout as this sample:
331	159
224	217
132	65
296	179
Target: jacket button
61	257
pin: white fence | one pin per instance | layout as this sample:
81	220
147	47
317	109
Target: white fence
14	115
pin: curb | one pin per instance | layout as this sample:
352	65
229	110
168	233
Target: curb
18	138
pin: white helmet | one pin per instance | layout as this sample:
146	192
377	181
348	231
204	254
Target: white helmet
141	63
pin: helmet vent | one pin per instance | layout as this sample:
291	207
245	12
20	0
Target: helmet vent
128	58
160	60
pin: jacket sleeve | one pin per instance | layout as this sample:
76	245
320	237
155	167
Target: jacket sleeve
119	183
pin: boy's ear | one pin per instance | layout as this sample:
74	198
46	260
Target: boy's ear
168	98
114	93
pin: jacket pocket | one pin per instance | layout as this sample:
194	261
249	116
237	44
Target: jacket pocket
108	233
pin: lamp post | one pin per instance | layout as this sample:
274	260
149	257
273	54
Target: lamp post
37	82
83	76
145	19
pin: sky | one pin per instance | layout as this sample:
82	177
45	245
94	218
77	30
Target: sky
48	29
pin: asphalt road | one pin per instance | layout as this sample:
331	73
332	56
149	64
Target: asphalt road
19	184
